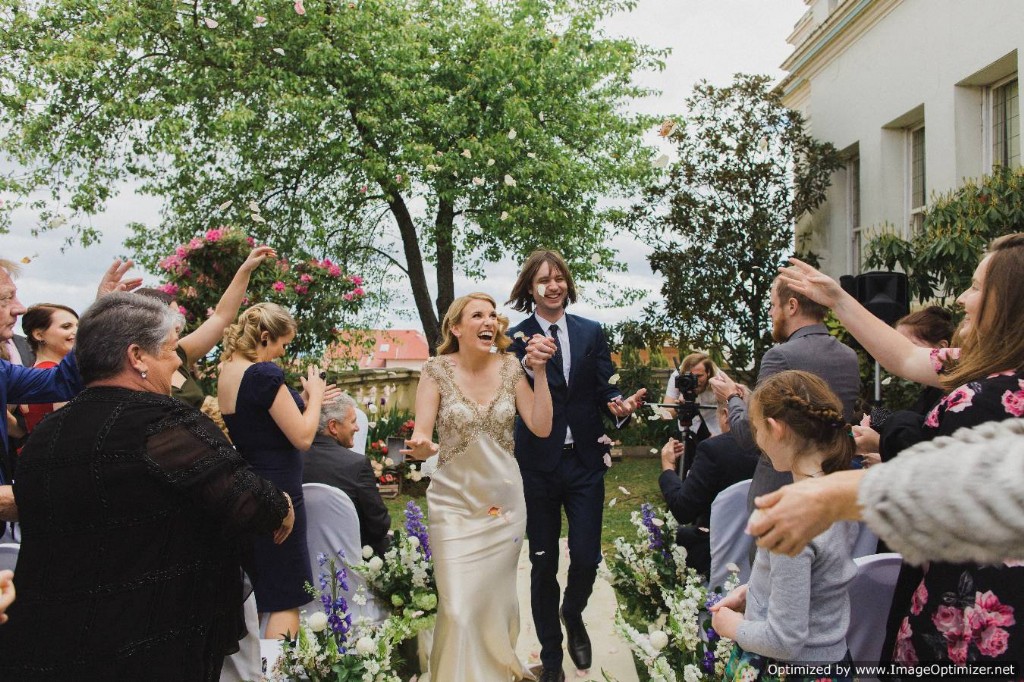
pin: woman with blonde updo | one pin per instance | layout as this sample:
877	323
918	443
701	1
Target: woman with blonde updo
270	424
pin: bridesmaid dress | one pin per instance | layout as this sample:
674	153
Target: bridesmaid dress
477	522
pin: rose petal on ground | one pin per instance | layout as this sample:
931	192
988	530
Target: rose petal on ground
225	206
257	218
612	502
624	491
279	51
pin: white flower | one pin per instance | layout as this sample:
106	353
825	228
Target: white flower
364	646
691	673
468	154
432	168
595	258
414	541
388	462
531	155
659	640
541	116
318	621
510	181
373	409
490	162
375	564
367	551
512	134
504	215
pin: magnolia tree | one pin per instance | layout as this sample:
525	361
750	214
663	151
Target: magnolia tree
721	220
385	135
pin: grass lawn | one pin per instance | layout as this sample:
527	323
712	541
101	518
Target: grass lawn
637	475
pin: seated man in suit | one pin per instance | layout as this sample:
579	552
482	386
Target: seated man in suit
330	460
720	462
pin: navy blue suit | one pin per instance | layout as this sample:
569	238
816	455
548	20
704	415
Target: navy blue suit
557	476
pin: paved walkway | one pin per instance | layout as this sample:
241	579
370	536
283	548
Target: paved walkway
610	654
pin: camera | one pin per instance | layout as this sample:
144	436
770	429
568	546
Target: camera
687	408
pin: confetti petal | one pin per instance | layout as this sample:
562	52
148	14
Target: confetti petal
26	260
657	522
531	155
595	258
468	154
667	126
614	379
510	181
279	51
512	134
519	335
259	22
624	491
477	180
299	9
494	511
540	553
541	116
490	162
542	289
257	218
661	161
432	168
504	215
254	207
211	23
225	206
612	502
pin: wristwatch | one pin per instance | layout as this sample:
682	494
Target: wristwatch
737	394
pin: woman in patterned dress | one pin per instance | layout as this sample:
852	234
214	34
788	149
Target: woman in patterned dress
945	611
472	391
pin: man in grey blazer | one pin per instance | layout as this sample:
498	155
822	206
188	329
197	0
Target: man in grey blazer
803	343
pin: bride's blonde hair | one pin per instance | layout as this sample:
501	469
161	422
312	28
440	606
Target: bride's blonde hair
450	343
244	336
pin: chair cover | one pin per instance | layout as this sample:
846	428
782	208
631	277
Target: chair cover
9	556
729	541
359	439
332	524
866	542
245	664
870	597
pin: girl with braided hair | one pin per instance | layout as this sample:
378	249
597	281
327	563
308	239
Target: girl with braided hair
795	609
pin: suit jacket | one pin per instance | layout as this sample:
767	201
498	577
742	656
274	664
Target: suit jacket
328	462
28	356
811	349
577	402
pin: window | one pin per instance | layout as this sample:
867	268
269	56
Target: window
1006	124
853	213
917	179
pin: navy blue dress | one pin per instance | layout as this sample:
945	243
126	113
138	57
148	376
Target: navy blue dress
279	572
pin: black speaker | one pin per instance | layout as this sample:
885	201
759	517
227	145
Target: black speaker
884	294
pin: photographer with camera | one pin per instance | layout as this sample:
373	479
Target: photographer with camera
700	369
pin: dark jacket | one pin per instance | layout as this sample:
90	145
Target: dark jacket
330	463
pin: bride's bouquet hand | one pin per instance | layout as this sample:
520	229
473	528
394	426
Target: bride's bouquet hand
419	448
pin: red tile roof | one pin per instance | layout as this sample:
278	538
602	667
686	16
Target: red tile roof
394	345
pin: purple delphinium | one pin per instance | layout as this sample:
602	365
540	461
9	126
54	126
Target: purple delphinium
414	527
712	599
656	539
709	661
332	588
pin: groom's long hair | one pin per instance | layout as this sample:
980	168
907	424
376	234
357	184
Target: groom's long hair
521	298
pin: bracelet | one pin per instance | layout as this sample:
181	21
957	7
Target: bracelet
737	394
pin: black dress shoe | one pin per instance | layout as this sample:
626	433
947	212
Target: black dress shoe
577	641
551	675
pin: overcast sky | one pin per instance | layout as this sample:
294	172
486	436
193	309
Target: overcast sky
710	39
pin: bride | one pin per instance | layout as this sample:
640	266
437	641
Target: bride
475	500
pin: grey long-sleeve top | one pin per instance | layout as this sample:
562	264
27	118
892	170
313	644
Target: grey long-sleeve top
798	609
956	499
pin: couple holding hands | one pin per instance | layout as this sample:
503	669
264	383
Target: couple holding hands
502	477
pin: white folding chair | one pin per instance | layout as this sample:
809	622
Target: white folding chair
729	542
870	597
331	525
9	556
866	542
359	439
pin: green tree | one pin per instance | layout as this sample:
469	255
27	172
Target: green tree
450	132
722	219
940	259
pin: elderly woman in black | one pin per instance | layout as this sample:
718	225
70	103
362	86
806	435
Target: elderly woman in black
134	508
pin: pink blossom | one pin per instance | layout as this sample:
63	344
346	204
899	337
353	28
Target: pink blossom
306	278
932	420
180	251
949	620
957	648
358	291
334	271
1013	403
278	286
348	296
195	243
996	613
326	263
1004	373
362	190
355	279
214	235
170	262
919	600
301	289
210	312
993	641
905	652
250	241
941	356
181	309
169	288
959	400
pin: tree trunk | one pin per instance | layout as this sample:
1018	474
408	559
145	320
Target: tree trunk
445	256
417	278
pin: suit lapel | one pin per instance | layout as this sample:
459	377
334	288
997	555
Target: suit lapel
575	347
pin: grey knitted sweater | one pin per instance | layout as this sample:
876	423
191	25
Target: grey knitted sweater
798	609
956	499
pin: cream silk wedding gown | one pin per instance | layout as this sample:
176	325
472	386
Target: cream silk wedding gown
477	522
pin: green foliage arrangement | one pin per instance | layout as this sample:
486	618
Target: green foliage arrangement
721	220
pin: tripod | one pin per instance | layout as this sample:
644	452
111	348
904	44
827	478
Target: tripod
686	410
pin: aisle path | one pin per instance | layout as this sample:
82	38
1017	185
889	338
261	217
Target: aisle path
610	653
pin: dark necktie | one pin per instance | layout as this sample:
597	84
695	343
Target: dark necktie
557	357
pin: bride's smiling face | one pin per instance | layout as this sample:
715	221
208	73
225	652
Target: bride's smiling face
477	326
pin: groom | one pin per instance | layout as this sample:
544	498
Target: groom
567	468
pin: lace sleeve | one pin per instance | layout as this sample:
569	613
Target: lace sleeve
194	457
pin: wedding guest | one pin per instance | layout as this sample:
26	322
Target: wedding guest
50	329
24	385
270	424
985	377
331	461
704	425
133	507
198	343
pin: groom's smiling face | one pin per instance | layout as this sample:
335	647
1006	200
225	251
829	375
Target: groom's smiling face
551	281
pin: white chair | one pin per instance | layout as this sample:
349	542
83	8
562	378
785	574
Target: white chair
359	439
9	556
866	542
332	524
870	597
270	651
246	664
729	542
429	465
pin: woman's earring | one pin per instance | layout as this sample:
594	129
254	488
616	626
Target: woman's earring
144	374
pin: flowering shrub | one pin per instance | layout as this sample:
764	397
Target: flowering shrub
663	612
322	297
404	577
328	647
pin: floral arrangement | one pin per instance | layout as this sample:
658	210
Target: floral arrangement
404	577
663	612
397	424
319	293
329	647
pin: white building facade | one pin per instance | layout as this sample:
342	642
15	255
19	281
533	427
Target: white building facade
919	95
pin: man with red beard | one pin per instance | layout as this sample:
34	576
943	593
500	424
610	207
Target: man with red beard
804	344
